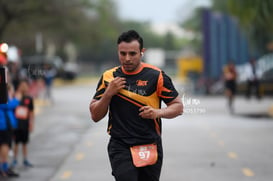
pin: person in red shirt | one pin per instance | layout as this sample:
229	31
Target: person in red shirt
3	60
230	76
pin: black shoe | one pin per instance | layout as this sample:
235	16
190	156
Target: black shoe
11	173
27	163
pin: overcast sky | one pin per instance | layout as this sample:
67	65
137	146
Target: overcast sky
158	11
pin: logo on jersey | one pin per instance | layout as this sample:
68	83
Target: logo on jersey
141	83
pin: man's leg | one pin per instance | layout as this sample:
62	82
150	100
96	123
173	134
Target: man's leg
257	89
25	140
15	152
4	157
248	89
152	173
121	162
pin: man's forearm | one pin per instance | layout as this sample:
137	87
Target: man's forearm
172	110
99	108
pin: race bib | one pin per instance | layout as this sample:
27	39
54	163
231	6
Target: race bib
144	155
21	112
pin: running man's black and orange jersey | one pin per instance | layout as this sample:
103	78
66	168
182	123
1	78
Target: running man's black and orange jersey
148	86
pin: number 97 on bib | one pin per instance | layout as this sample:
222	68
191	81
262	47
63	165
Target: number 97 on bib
144	155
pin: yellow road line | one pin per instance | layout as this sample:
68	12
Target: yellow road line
248	172
232	155
37	110
41	102
221	143
66	175
79	156
213	134
89	144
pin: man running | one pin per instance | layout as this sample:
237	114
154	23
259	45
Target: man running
132	92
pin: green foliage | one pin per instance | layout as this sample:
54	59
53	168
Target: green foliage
91	25
194	24
255	17
150	38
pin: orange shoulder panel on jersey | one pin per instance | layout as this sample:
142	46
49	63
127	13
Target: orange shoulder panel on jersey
160	85
107	77
161	88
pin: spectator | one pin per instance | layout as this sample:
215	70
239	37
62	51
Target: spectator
253	81
25	115
50	73
8	122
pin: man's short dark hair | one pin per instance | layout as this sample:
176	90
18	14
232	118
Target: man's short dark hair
130	36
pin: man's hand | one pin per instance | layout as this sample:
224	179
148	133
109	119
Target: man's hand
115	85
173	109
147	112
99	108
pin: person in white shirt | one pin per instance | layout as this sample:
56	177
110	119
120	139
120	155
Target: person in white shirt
253	81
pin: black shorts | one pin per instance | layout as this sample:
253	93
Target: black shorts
231	85
122	164
5	137
21	136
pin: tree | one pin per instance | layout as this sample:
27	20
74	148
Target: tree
169	41
151	39
255	17
21	19
194	24
90	24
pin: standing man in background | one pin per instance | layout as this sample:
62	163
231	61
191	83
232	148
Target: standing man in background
132	92
253	79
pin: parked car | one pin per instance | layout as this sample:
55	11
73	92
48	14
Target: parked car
34	66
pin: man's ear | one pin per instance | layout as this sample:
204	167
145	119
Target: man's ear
142	51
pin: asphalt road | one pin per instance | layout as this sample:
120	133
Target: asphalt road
206	143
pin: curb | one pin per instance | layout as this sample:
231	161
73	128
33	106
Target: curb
270	111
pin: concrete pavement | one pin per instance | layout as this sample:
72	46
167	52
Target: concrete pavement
206	143
203	144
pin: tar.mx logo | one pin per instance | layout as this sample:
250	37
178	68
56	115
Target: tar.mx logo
190	101
192	105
